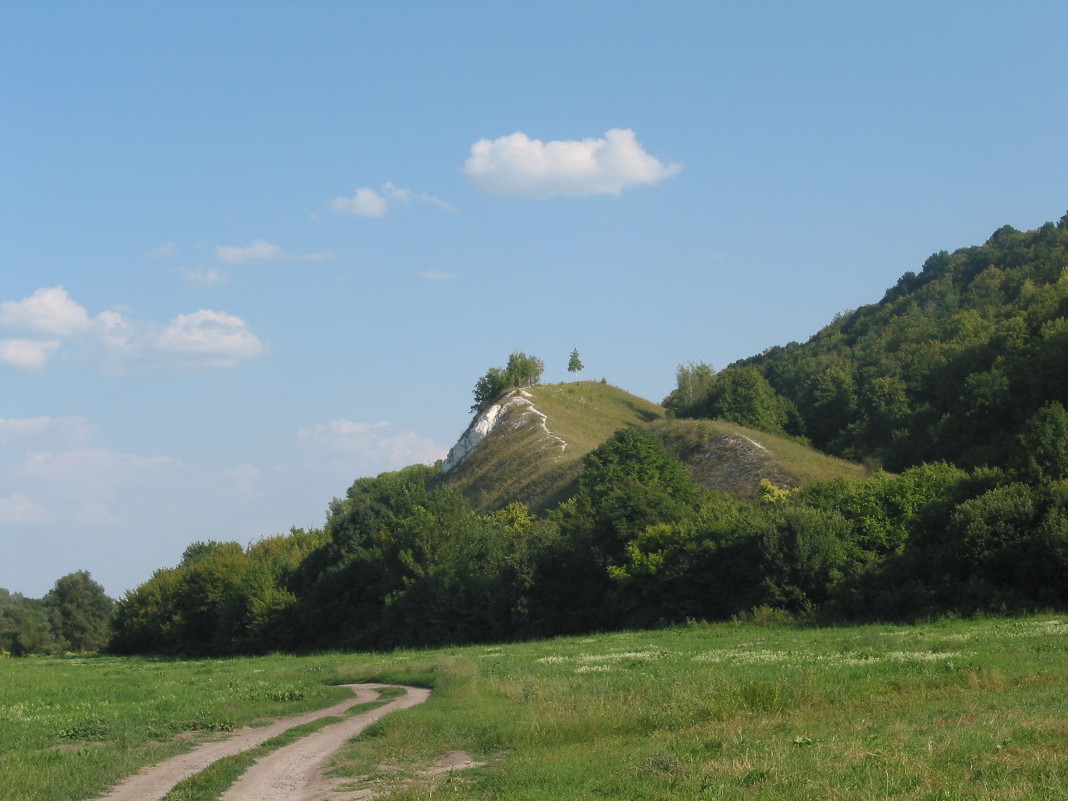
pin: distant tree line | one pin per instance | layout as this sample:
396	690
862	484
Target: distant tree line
74	616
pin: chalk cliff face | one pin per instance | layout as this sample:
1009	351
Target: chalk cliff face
514	410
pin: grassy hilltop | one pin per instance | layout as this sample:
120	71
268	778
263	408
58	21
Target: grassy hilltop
537	460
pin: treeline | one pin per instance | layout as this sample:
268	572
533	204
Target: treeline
947	366
74	616
400	563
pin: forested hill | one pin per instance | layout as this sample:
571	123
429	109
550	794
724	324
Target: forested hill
963	362
947	366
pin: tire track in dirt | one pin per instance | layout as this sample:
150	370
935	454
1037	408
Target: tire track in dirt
295	772
291	767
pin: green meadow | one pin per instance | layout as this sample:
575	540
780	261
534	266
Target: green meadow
749	710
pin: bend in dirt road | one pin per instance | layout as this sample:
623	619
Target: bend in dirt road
153	783
295	772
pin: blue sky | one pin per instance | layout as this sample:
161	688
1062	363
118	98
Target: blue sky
250	252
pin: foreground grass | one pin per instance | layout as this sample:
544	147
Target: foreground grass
953	710
71	728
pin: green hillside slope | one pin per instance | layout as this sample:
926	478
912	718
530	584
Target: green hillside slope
535	449
537	460
726	457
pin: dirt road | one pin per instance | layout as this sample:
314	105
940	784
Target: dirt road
291	773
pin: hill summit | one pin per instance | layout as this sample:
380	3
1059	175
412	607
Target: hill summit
529	446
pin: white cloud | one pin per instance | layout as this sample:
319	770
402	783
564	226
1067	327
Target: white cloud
521	166
368	202
262	250
46	311
254	251
26	354
365	203
377	444
52	321
214	338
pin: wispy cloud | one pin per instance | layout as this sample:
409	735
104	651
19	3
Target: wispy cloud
373	444
167	251
19	509
57	475
205	276
368	202
49	322
524	167
44	432
262	250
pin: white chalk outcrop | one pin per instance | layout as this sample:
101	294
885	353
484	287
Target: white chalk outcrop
515	410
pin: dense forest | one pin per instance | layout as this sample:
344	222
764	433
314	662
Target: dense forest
949	365
952	389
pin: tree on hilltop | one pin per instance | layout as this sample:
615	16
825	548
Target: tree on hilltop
524	370
521	371
574	364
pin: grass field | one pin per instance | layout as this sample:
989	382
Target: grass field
950	710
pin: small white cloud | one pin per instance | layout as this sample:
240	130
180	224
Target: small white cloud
26	354
524	167
255	251
368	202
262	250
399	195
47	311
213	338
436	275
168	251
365	203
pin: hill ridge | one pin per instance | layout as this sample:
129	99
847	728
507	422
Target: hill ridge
486	422
529	446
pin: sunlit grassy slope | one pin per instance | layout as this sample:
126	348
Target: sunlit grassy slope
519	461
